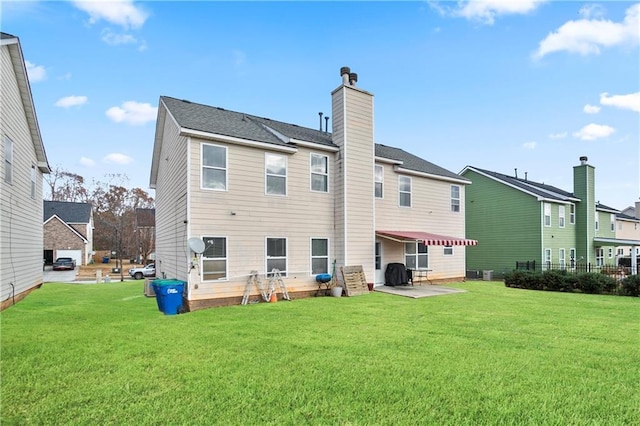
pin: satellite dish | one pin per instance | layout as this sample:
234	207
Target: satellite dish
196	244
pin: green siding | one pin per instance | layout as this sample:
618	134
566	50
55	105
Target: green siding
505	221
584	189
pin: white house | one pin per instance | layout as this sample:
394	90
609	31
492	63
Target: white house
264	194
23	163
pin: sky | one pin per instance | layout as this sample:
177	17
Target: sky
499	85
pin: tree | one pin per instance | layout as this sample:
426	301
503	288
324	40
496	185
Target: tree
66	186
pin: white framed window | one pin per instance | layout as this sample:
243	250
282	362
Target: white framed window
319	256
599	256
404	191
610	252
214	259
214	167
8	159
33	181
448	250
619	226
275	169
572	214
547	258
613	222
572	258
561	216
378	258
597	221
547	214
276	255
620	252
455	198
379	181
561	258
319	169
416	255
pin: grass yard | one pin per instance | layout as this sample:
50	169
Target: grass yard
104	354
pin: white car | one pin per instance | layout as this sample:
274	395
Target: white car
147	271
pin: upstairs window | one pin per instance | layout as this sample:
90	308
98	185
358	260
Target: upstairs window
597	221
561	216
379	176
448	250
404	191
275	167
547	214
214	167
613	223
572	214
319	173
33	181
277	255
455	198
214	259
8	160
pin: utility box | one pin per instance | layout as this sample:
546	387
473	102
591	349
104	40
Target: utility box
487	275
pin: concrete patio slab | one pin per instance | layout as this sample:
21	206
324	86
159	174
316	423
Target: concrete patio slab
419	291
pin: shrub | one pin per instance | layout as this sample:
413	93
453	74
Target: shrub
596	283
523	279
631	286
554	280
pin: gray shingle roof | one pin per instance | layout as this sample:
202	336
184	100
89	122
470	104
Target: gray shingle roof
250	127
412	162
68	211
539	189
627	217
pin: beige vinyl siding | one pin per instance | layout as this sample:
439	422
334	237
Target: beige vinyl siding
430	211
630	231
21	226
171	205
359	163
337	123
298	216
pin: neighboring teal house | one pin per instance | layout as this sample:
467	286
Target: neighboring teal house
518	220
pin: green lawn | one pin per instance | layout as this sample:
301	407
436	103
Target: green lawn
104	354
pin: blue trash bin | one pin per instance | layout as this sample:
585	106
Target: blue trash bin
105	259
168	295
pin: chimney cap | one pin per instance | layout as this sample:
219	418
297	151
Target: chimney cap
584	158
344	70
353	77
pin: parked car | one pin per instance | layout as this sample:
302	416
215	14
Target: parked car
147	271
62	263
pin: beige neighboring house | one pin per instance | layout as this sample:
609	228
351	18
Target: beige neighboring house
23	163
628	228
68	231
263	194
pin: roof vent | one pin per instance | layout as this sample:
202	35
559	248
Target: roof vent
353	78
344	73
583	160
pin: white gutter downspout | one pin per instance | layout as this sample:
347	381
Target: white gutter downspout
542	233
188	230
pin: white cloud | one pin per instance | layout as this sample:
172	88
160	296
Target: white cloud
118	158
115	39
560	135
530	145
630	101
591	109
70	101
593	131
486	11
87	162
118	12
587	36
35	72
132	112
592	11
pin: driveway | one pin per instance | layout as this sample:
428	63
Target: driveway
49	275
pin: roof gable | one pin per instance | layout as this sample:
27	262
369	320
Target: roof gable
12	43
69	227
536	189
67	211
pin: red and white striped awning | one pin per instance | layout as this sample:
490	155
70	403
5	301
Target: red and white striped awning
426	238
